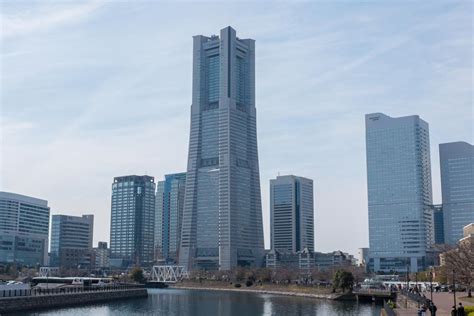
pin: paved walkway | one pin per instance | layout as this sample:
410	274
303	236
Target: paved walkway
444	301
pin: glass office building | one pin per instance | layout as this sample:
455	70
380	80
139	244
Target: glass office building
71	240
133	220
291	214
222	217
399	192
438	218
24	229
168	217
457	188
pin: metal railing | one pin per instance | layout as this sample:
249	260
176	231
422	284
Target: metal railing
388	309
415	297
373	291
67	290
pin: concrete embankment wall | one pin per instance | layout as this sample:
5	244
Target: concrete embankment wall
13	304
258	291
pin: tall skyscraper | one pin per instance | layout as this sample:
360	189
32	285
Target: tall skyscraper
71	240
222	218
457	187
168	217
24	229
399	192
133	219
291	214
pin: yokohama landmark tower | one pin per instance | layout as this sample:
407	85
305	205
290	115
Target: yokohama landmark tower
222	216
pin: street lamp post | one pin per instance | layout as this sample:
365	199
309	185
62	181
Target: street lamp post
416	281
454	289
408	279
431	285
416	287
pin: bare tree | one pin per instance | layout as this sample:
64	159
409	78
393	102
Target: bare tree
461	262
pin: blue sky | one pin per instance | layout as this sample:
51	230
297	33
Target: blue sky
93	90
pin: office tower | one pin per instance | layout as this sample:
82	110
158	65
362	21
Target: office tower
24	229
133	220
399	192
457	188
102	255
222	216
71	240
438	218
291	214
168	217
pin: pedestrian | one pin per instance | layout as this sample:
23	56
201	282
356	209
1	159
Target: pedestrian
454	312
433	309
422	311
461	311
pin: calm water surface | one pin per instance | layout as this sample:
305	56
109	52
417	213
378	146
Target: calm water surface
174	302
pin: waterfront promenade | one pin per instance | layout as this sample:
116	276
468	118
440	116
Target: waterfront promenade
444	301
60	297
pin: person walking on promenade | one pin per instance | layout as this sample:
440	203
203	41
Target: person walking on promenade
461	311
433	309
454	312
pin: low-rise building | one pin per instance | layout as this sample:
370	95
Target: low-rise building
468	234
303	260
335	259
466	240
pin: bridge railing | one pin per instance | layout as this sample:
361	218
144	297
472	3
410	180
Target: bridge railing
388	309
373	291
67	290
415	297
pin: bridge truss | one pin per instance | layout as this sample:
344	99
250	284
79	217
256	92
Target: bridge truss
168	273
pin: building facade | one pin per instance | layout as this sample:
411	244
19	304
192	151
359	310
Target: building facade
102	255
362	257
222	217
457	188
71	241
302	260
24	229
291	214
332	260
399	192
438	219
168	217
133	220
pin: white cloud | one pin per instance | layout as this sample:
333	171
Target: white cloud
113	98
28	21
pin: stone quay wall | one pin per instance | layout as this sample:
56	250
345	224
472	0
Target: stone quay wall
21	303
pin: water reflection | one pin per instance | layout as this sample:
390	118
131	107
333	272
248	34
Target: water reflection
205	303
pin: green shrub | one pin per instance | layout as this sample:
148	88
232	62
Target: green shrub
469	309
